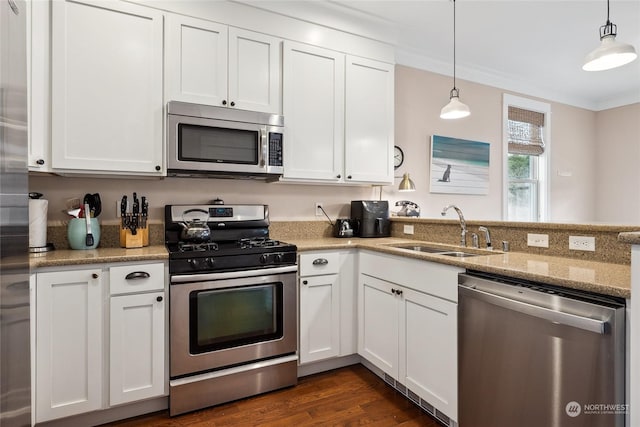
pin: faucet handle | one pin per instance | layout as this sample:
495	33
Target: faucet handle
475	242
487	236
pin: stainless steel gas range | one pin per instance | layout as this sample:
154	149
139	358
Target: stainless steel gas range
233	305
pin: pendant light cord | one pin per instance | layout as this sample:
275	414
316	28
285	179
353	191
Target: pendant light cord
454	46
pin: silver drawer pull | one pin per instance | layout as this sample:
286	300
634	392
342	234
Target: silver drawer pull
137	275
320	261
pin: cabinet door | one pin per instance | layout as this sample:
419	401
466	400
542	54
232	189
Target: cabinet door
254	71
378	323
313	107
319	317
68	350
107	88
137	347
196	61
429	350
39	81
369	118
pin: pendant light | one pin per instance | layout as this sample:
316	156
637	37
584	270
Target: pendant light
406	184
611	53
454	109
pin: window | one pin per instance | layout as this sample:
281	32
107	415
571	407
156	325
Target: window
526	126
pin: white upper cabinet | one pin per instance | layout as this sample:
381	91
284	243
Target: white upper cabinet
39	85
254	71
107	110
369	121
339	114
313	107
196	61
213	64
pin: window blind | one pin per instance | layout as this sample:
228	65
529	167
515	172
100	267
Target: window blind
525	131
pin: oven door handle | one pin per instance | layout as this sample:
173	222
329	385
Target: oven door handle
184	278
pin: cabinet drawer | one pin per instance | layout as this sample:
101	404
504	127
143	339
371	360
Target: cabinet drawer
314	263
136	278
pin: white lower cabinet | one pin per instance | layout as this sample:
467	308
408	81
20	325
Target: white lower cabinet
69	343
88	342
327	321
407	325
136	347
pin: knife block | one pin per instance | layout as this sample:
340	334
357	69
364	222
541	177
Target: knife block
130	240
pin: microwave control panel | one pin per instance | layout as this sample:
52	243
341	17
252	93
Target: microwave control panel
275	149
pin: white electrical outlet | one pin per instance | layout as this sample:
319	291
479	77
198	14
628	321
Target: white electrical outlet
319	209
538	240
582	243
408	229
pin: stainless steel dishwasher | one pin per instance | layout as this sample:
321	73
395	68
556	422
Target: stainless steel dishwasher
536	355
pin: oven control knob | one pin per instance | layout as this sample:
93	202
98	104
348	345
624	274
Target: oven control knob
194	263
278	258
210	262
264	258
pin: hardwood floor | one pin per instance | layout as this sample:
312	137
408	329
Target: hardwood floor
351	396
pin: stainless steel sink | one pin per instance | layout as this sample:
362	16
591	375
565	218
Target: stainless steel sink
457	254
434	250
421	248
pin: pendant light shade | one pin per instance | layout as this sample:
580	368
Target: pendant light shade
611	53
406	184
455	109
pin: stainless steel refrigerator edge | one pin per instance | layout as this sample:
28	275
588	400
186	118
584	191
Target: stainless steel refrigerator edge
15	377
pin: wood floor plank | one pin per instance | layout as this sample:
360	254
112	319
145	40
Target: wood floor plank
346	397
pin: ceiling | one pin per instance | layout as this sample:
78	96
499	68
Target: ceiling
533	47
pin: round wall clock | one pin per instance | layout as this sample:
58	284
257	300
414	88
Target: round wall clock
398	157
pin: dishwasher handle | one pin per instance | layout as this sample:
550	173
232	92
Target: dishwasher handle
554	316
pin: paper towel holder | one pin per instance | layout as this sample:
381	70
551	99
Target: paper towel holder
48	246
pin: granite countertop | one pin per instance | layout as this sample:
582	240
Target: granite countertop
64	257
599	277
632	237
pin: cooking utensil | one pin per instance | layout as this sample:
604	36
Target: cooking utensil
95	205
87	218
195	230
73	212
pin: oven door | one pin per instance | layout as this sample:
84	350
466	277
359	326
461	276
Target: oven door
225	319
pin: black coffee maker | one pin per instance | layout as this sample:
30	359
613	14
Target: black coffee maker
370	218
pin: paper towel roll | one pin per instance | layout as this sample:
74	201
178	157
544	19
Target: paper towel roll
38	222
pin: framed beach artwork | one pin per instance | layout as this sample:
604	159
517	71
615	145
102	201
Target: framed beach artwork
459	166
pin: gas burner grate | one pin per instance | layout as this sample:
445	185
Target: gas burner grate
257	242
197	247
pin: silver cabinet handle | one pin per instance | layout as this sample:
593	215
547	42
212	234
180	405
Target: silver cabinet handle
137	275
320	261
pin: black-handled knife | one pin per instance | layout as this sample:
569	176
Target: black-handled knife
135	211
144	211
123	211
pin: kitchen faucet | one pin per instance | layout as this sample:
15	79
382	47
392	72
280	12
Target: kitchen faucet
487	236
463	224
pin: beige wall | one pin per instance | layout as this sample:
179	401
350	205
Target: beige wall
419	97
618	165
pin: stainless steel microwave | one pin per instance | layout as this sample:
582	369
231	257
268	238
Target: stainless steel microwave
220	141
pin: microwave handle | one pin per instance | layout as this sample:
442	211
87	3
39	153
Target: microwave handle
262	161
